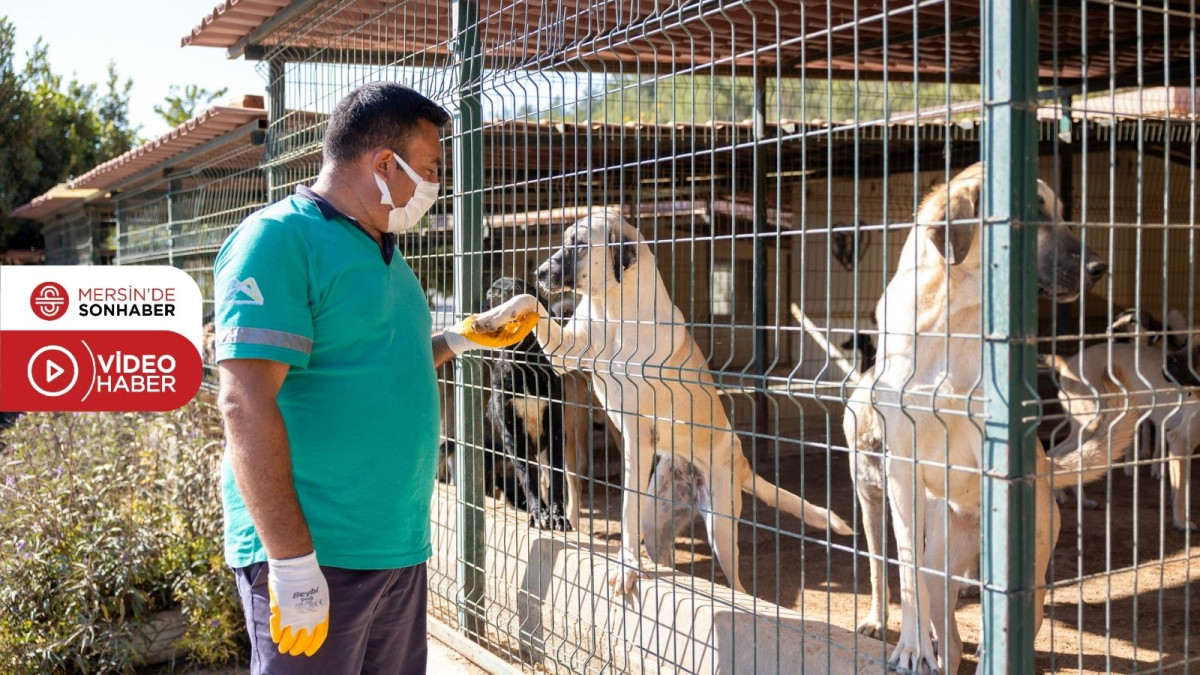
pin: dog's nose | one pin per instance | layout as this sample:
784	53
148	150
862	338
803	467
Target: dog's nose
543	272
1096	269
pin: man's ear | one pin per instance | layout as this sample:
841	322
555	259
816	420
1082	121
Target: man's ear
623	251
382	159
956	201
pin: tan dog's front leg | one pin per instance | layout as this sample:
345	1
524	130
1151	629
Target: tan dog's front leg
872	527
1179	443
952	548
565	345
638	459
906	497
1048	523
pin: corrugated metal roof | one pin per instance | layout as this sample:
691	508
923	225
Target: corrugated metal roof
843	36
206	126
231	20
53	201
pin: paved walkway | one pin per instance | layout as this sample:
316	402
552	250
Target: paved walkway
442	659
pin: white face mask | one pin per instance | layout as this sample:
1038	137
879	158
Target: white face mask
404	218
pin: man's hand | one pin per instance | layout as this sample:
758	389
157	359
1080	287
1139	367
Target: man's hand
501	326
299	604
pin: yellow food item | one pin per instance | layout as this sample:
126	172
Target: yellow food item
510	333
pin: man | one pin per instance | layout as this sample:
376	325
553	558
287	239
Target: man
330	401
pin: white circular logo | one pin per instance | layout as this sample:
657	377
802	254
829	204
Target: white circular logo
44	378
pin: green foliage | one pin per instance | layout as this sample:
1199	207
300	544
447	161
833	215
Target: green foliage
51	130
117	136
106	519
18	161
700	99
182	104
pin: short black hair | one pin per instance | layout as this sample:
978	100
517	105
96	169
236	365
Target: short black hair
377	115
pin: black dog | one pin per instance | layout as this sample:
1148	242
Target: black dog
526	412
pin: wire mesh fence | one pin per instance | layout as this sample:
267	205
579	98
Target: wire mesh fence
906	270
81	235
182	213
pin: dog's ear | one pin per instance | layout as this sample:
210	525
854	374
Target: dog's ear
1050	208
624	241
957	201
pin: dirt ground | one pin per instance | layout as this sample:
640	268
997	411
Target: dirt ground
1115	606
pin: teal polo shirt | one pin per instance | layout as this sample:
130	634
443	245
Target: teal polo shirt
301	283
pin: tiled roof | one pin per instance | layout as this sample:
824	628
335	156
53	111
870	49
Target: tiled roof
193	133
229	21
842	36
55	199
204	127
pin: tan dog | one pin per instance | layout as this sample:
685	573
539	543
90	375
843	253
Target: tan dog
930	360
1136	372
653	381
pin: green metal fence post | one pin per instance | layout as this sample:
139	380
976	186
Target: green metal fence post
468	288
762	449
1009	83
174	185
276	90
117	228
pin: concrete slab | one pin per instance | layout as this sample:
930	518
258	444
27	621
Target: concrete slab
548	603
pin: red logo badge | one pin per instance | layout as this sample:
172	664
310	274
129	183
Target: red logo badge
49	301
100	370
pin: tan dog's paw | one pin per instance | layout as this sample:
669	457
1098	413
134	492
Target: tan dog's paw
514	309
623	580
504	325
912	656
872	626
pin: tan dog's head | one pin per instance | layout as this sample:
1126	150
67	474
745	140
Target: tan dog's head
1065	267
595	254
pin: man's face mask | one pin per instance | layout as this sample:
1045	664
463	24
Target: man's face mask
404	218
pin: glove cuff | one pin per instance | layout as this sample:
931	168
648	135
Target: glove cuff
457	342
293	567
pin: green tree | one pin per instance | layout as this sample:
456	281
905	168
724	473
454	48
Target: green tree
701	98
17	125
183	103
117	135
67	137
51	130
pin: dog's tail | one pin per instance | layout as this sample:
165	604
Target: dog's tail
1089	454
811	514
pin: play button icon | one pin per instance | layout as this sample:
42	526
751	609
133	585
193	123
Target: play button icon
53	364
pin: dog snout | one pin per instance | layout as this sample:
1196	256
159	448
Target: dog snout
543	273
1096	269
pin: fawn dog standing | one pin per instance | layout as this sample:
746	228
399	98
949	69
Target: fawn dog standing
653	381
930	361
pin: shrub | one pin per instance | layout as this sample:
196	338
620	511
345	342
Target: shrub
106	519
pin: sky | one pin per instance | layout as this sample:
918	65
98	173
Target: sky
141	37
